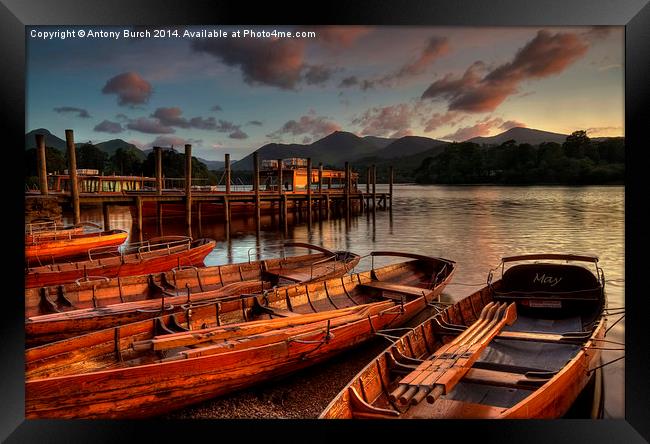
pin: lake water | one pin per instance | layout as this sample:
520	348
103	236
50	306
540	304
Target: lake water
472	225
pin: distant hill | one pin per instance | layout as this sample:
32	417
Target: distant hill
50	140
408	146
333	149
380	142
215	165
111	146
520	135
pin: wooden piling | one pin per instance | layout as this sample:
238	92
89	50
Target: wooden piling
256	188
105	211
367	197
320	190
41	164
390	185
159	182
227	172
374	186
309	171
226	207
346	186
188	189
72	170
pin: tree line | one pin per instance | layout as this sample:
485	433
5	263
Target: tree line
124	162
577	161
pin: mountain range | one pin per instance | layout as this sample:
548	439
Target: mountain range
334	149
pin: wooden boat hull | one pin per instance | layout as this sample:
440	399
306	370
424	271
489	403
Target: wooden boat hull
76	245
135	264
368	395
164	385
102	304
56	234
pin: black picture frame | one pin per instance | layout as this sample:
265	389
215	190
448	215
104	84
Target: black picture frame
633	14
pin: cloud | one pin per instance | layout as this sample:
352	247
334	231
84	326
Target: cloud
269	62
238	134
108	127
255	122
482	128
509	124
318	74
316	126
280	62
216	108
165	141
130	88
435	48
437	120
306	140
171	117
340	36
349	81
605	131
597	32
545	55
149	126
81	113
391	120
121	116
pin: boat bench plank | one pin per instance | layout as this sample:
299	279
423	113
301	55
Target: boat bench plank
396	288
450	408
502	378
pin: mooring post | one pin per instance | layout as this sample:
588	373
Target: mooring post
226	166
309	171
188	189
320	190
41	163
159	183
256	188
105	211
374	186
367	196
390	185
282	212
226	209
198	217
346	186
72	170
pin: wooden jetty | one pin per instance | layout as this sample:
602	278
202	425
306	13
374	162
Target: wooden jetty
317	192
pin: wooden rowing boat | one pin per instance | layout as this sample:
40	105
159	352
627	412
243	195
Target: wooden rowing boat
41	231
468	362
151	367
59	312
151	256
41	251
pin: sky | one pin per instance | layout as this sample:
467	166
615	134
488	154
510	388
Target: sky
236	93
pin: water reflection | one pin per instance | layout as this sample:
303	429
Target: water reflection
475	226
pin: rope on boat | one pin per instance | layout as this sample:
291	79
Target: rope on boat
617	321
605	364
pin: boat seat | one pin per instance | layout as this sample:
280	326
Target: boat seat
395	288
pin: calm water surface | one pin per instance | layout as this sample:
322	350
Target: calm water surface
472	225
